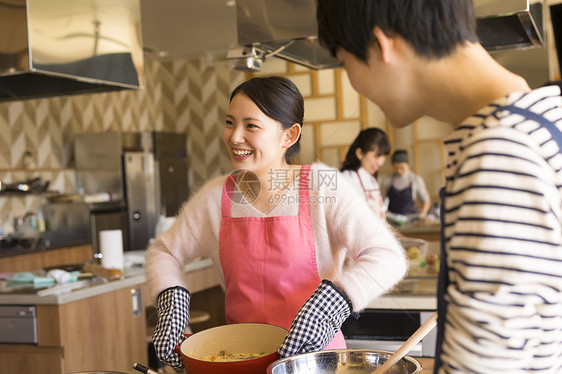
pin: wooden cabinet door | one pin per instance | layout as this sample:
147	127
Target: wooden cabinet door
103	332
68	256
45	259
28	262
24	360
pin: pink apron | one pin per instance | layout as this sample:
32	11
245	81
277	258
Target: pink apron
269	263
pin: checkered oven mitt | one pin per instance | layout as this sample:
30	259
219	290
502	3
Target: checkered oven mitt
173	317
318	321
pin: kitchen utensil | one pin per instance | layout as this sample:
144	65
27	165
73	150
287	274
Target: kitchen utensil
143	369
409	344
248	338
111	247
341	361
30	185
29	277
99	270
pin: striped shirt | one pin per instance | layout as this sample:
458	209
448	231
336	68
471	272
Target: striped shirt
503	238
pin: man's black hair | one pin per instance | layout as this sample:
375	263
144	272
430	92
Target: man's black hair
433	27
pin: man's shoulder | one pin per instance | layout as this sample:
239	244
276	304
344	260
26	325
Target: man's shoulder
504	115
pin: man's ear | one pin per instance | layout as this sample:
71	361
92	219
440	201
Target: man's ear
385	43
291	135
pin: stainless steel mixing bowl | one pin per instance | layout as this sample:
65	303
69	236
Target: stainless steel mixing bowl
356	361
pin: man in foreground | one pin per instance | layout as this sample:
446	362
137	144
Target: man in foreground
500	286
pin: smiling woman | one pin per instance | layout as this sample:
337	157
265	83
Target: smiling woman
276	99
262	131
280	245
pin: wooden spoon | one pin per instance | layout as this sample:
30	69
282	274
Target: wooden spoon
408	344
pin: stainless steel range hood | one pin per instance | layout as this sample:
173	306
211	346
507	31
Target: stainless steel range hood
509	24
286	27
68	47
269	25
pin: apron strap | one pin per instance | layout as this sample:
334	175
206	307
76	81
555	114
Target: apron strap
443	282
227	191
304	191
360	181
544	122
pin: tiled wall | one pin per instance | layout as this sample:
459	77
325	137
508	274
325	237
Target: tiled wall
183	96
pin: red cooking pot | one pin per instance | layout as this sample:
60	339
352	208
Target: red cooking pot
241	338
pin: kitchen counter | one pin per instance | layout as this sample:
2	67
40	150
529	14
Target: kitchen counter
37	246
20	250
132	277
46	259
388	321
418	291
427	231
410	302
104	323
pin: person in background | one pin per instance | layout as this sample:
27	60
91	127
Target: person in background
500	278
365	156
404	189
278	234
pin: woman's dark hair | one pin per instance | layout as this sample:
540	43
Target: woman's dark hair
278	98
371	139
433	27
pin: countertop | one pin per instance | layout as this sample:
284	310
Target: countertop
37	247
418	291
133	276
409	302
430	231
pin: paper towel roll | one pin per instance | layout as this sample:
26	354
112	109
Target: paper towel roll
111	248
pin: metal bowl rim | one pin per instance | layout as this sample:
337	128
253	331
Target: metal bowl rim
349	350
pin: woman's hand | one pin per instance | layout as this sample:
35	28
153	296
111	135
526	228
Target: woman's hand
318	321
173	318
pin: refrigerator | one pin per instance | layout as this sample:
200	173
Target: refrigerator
140	175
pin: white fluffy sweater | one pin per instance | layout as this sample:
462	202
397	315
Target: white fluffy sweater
354	249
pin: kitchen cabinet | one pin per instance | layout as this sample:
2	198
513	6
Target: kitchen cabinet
102	326
24	262
46	258
96	333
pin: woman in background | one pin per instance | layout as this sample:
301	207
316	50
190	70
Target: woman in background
404	189
365	156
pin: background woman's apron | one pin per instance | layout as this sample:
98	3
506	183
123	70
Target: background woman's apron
269	263
373	197
401	201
